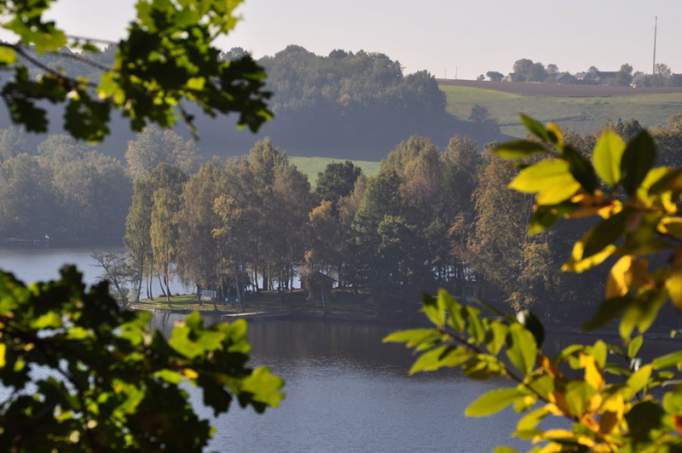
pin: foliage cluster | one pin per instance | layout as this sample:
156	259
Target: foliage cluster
83	374
80	373
609	396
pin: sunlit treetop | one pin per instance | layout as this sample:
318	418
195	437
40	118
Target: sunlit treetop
167	61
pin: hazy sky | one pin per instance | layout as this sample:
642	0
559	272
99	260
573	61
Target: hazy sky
470	36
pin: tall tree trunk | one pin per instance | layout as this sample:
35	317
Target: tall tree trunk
238	290
163	290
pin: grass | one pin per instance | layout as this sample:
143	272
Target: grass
581	114
343	303
311	166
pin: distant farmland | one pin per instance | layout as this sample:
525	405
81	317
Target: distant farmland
584	109
311	166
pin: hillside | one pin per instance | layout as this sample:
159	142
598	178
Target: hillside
584	109
311	166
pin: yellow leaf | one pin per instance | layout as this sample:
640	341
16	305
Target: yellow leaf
592	375
552	448
586	441
618	283
615	404
610	210
671	225
196	83
558	434
607	156
556	130
190	373
674	286
3	348
550	179
578	265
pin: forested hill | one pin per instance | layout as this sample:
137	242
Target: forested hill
346	105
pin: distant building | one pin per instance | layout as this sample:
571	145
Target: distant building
676	80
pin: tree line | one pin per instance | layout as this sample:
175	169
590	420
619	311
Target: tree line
355	105
64	192
527	70
430	218
60	190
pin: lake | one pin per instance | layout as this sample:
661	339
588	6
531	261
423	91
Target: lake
346	391
36	263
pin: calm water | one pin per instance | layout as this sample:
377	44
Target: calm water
347	392
31	264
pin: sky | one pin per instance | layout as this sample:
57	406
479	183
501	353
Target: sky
462	38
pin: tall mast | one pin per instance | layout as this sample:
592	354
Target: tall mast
655	39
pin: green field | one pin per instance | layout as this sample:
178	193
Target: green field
581	114
311	166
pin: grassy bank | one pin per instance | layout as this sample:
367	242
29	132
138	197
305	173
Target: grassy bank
343	304
582	114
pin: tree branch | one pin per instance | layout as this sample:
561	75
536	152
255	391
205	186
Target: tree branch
39	64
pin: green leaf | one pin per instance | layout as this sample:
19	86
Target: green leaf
518	149
550	179
600	352
452	309
526	426
607	156
637	160
672	401
493	402
607	311
265	386
434	310
643	418
578	393
498	336
412	337
531	322
521	348
604	233
169	376
7	56
440	357
581	169
535	127
638	381
48	320
673	359
634	346
505	449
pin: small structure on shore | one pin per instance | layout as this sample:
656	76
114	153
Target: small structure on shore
318	285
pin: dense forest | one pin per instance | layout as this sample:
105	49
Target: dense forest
350	105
